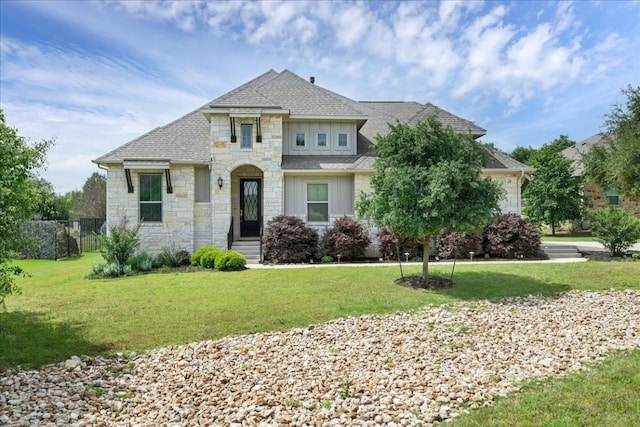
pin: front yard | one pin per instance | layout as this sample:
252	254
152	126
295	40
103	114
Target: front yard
61	314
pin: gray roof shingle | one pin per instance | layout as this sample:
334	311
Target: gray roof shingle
186	140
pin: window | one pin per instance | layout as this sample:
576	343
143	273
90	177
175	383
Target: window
342	140
203	185
247	136
151	197
318	202
300	139
612	196
322	140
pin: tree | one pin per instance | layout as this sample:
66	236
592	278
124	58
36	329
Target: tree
428	179
93	202
18	198
553	194
615	228
522	154
617	163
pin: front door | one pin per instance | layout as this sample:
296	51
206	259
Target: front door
250	208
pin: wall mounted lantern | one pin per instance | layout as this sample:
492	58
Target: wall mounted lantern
220	182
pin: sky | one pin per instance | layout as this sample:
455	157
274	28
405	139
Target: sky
96	74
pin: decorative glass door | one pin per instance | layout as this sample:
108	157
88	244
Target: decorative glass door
250	208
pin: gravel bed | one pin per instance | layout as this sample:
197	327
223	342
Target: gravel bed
413	368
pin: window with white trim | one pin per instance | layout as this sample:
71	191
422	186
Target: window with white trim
247	136
300	141
150	197
321	140
343	140
318	202
612	196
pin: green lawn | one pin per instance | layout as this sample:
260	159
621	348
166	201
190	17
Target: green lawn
60	313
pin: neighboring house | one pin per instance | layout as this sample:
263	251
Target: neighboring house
595	196
279	144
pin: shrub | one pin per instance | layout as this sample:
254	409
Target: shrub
208	259
230	261
172	259
347	237
510	236
327	259
615	228
195	258
287	239
119	246
391	245
453	244
142	261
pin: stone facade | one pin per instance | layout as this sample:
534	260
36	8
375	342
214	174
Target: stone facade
595	197
176	231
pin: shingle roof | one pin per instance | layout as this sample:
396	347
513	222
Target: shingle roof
186	139
497	160
575	152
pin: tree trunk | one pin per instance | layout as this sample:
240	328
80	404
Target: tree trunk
425	257
553	228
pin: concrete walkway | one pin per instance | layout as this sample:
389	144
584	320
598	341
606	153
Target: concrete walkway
588	246
412	264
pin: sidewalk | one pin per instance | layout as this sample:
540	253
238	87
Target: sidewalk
414	264
588	246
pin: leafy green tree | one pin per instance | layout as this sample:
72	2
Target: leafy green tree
617	163
615	228
93	202
550	151
523	154
428	179
18	197
553	194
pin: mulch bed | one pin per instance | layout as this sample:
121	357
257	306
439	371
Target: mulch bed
418	282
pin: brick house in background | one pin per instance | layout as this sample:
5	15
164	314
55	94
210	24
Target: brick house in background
595	196
278	144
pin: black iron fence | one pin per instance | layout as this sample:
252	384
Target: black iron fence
61	238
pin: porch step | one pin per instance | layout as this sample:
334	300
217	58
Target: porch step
561	251
250	249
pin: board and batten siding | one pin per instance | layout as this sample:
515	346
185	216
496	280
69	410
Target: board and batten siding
340	194
311	129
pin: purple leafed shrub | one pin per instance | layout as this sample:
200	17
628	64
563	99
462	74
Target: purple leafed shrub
287	239
347	238
391	245
511	236
452	244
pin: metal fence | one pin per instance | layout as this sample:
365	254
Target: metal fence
61	238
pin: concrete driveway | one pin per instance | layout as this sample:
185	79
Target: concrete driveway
588	246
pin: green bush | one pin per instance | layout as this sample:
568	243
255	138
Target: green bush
230	261
615	228
327	259
119	246
197	255
142	261
171	259
209	258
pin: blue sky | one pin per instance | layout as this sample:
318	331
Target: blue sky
96	74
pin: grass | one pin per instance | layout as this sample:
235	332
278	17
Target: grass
608	395
60	314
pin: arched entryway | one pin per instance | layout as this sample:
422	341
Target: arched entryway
246	202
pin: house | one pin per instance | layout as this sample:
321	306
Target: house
277	144
595	196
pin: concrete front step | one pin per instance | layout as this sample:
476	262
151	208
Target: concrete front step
561	251
250	249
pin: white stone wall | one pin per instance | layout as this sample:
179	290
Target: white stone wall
512	202
176	231
228	156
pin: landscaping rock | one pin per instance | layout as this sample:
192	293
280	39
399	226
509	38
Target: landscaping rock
402	369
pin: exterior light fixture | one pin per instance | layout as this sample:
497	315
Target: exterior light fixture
220	182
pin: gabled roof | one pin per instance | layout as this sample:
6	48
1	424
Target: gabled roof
575	152
186	140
